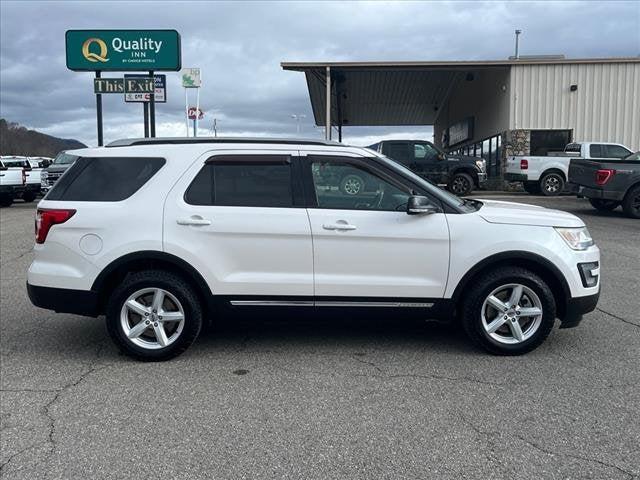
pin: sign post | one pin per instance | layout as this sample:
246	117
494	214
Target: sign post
122	50
191	79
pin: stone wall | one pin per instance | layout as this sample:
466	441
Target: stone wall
514	142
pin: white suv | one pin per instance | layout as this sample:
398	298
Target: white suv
157	234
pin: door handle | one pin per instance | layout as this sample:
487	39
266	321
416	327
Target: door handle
196	220
338	226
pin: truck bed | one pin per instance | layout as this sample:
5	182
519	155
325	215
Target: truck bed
623	174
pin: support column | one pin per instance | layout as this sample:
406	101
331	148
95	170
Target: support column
327	125
99	113
152	107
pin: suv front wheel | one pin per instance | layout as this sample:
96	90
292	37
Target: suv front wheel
153	315
461	184
510	311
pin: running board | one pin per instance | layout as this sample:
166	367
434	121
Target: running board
311	303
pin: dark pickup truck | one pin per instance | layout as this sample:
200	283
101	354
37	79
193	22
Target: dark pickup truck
460	173
609	183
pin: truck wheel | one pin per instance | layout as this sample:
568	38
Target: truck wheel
352	185
461	184
631	202
29	197
552	184
153	315
6	201
532	188
508	311
603	205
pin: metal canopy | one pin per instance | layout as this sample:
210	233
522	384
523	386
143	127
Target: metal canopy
395	93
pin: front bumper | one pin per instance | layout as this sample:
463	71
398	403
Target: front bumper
577	307
482	178
64	300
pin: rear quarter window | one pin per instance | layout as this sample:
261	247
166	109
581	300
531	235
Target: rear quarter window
104	179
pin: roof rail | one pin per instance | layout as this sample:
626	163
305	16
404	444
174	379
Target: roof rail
129	142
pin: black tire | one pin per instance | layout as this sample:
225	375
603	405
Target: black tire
6	201
532	188
552	184
352	184
461	184
169	282
631	202
29	197
483	286
603	205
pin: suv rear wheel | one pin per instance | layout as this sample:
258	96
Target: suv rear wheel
510	311
153	315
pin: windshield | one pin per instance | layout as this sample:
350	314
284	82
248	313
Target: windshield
448	197
64	159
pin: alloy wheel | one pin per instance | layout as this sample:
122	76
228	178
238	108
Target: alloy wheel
152	318
512	314
352	186
552	184
460	185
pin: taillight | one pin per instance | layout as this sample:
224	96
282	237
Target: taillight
47	218
604	175
524	164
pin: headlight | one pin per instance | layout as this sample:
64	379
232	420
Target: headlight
576	238
43	175
481	164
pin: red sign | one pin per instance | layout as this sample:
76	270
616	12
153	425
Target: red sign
193	111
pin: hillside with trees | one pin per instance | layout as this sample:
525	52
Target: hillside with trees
18	140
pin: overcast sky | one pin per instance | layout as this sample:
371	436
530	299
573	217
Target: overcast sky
239	47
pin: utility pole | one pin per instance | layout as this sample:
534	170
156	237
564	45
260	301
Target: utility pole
215	127
518	32
297	118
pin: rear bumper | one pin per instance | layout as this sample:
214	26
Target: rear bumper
600	193
515	177
63	300
577	307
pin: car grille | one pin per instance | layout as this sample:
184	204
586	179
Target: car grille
53	178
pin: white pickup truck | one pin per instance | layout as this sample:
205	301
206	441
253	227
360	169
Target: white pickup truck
12	182
548	175
32	170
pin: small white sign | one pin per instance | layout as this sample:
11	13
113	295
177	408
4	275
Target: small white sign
191	77
159	94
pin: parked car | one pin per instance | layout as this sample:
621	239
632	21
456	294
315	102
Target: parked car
548	175
32	171
157	234
609	184
12	182
460	173
54	171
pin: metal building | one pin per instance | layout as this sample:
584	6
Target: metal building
489	109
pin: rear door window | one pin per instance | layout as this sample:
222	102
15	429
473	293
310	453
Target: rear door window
104	179
243	181
596	151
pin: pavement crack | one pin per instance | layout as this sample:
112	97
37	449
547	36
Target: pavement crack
576	457
46	410
618	317
365	362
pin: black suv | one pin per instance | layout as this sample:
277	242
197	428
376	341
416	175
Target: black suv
460	173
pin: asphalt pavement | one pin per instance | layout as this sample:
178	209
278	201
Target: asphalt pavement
323	397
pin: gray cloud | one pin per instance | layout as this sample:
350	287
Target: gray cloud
239	46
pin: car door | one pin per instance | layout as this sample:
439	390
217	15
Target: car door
366	245
239	219
430	165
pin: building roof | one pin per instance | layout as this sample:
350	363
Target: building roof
400	93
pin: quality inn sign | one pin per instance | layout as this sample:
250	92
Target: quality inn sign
123	50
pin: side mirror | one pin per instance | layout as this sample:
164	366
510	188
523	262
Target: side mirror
45	163
442	156
420	205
